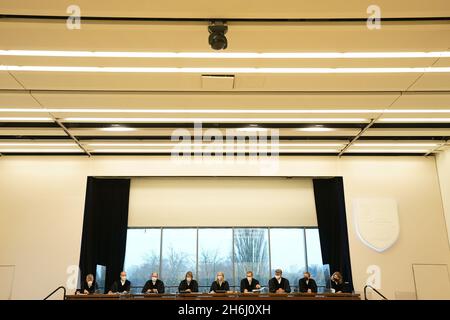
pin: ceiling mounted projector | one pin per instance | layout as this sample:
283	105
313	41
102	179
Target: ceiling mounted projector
217	39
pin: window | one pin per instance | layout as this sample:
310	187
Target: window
179	253
287	247
205	251
142	255
251	253
215	253
315	265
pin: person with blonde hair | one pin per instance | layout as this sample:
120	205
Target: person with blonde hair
188	284
337	282
220	284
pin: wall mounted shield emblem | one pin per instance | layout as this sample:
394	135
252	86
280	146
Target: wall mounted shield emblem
376	222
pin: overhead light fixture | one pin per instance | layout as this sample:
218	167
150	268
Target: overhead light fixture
118	129
34	150
25	119
252	129
351	150
316	129
412	120
217	31
227	55
37	144
394	144
212	150
213	120
226	111
211	144
224	70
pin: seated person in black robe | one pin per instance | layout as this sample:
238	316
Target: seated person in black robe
220	284
249	284
188	284
307	284
154	285
122	285
89	286
278	284
337	282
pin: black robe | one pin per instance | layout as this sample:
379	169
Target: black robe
193	286
246	285
274	285
159	285
216	287
118	287
303	286
92	289
338	287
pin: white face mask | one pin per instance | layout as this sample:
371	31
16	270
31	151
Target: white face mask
154	279
278	277
188	279
123	278
90	283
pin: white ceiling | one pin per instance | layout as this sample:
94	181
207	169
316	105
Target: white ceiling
344	104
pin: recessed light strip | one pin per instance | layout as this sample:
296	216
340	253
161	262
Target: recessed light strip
226	111
223	70
226	55
214	120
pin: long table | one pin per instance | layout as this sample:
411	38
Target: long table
218	296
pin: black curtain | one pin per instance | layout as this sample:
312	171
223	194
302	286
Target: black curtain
332	223
105	227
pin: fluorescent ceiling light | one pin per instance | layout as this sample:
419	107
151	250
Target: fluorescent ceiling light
224	70
37	144
214	151
316	129
252	129
400	144
218	111
25	119
118	129
226	55
34	150
387	151
211	144
191	120
424	120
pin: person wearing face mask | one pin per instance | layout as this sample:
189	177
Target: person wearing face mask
249	284
307	284
89	286
337	282
122	285
154	285
188	284
278	284
220	285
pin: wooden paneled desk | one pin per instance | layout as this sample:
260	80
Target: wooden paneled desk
219	296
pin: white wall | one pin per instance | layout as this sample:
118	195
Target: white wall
42	199
443	168
221	201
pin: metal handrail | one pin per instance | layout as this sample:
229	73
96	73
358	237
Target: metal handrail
54	291
376	291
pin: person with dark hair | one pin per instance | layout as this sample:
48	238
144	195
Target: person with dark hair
307	284
188	284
